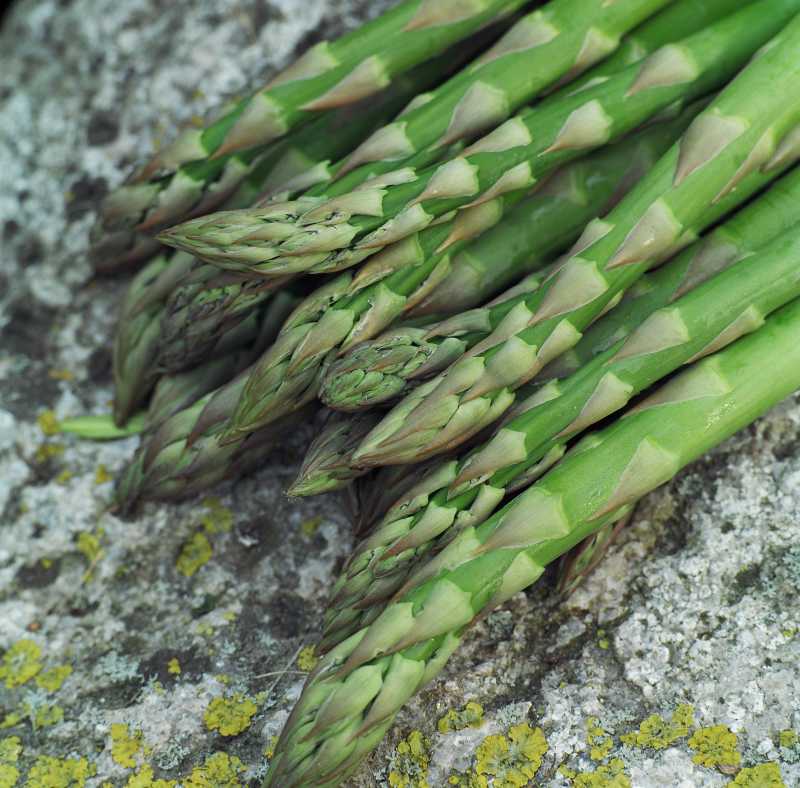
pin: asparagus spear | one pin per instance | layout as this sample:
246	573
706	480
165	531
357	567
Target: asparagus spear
719	311
739	133
345	230
238	180
352	697
232	352
183	456
136	339
355	307
326	466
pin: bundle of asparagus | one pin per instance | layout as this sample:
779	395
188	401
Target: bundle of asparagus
471	267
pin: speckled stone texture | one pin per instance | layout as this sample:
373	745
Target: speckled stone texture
697	603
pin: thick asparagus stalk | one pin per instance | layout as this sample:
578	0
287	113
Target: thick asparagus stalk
740	132
457	494
356	307
352	697
345	230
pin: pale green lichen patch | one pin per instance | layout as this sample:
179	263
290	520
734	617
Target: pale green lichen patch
218	518
20	663
512	760
788	738
230	715
471	716
715	747
657	733
765	775
410	762
309	527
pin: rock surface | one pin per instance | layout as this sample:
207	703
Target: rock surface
169	647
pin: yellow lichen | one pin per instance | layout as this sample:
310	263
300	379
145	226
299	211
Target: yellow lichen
765	775
715	746
50	772
10	750
20	663
656	733
10	720
143	778
307	659
467	780
48	422
196	552
219	771
471	716
511	760
45	716
174	667
230	715
269	750
787	738
60	374
124	745
48	451
52	679
410	762
64	476
311	526
610	775
101	475
219	518
600	743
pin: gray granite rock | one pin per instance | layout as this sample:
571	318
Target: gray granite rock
697	603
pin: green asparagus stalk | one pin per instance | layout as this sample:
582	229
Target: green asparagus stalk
183	456
231	353
136	339
739	133
352	697
753	226
326	466
238	180
344	231
355	307
525	240
717	312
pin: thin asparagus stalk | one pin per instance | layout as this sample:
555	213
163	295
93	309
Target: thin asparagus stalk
345	230
356	307
136	339
326	467
739	133
352	697
717	312
238	180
